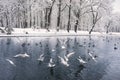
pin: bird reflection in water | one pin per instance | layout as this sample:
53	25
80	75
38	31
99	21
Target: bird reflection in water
80	68
51	65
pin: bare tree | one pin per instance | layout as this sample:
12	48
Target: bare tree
95	18
108	26
59	15
69	16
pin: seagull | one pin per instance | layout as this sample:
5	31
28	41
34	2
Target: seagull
92	56
25	55
81	60
66	58
53	50
51	63
11	62
63	61
41	58
70	54
63	42
63	47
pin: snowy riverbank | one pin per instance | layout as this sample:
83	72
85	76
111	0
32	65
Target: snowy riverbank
44	33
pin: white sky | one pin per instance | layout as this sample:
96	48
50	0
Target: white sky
116	6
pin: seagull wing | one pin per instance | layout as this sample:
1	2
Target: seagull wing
92	57
51	61
70	54
90	54
18	55
41	55
82	61
40	59
26	55
11	62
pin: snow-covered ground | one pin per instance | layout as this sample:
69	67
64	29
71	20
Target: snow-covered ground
44	33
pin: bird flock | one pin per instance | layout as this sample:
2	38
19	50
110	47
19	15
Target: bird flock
63	59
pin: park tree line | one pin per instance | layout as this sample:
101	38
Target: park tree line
85	15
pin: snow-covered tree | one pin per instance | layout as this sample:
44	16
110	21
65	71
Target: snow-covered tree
58	14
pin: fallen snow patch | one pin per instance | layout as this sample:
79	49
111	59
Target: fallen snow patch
29	32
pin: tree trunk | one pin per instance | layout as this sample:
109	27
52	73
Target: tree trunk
76	26
69	16
46	19
49	15
91	29
108	25
1	23
59	16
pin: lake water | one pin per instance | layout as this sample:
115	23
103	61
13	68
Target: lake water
105	49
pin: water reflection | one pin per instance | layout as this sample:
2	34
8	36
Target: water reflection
62	58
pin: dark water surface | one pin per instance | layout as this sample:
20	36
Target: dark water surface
106	51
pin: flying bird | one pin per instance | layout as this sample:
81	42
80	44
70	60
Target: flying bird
51	63
81	60
63	47
25	55
70	54
11	62
53	50
63	61
66	57
63	43
92	57
41	58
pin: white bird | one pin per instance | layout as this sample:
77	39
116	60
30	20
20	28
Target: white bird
81	60
63	47
11	62
41	58
70	54
51	63
53	50
92	56
25	55
66	58
64	62
63	42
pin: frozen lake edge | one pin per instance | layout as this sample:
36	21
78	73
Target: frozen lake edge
29	32
55	34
